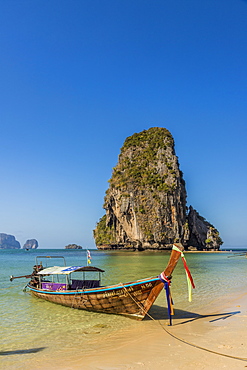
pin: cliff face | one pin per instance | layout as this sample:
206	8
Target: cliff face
202	235
73	246
146	201
8	242
31	244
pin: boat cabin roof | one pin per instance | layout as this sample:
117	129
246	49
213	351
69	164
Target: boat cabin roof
66	270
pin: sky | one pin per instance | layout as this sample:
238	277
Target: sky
78	77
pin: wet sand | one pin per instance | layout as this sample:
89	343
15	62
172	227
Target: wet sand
214	338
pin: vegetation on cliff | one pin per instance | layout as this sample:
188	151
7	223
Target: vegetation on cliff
146	200
139	161
73	246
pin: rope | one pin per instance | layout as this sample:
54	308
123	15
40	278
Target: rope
137	303
202	348
74	297
180	339
10	287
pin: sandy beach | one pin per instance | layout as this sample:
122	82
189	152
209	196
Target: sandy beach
208	333
214	338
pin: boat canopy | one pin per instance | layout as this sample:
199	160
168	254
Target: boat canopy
58	270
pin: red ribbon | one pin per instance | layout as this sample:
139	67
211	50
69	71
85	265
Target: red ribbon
188	272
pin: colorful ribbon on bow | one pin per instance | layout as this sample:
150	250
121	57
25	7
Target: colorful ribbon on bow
167	284
188	274
88	257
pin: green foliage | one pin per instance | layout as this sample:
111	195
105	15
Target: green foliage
139	169
125	195
155	137
217	237
103	234
145	171
164	187
214	238
142	210
149	235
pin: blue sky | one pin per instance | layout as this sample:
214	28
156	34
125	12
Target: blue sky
78	77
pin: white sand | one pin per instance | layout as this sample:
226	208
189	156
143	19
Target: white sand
222	331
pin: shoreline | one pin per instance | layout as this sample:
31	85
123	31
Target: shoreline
214	337
220	333
125	250
158	347
204	331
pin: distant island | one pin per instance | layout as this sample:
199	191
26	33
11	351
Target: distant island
73	246
9	242
145	204
31	244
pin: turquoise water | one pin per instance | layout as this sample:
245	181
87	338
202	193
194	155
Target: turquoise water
37	328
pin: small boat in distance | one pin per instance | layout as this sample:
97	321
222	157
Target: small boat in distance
57	284
238	254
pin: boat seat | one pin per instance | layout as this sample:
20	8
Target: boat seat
84	284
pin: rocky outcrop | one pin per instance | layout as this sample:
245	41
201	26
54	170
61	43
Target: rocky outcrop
31	244
202	235
73	246
146	201
8	242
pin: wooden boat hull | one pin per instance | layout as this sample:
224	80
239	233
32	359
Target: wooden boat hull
132	299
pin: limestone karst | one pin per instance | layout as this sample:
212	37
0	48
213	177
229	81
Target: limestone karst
31	244
145	204
8	242
73	246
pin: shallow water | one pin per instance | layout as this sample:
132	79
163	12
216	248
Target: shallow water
32	329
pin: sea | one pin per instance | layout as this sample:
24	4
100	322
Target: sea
32	330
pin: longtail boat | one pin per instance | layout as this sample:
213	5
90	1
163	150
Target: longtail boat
133	299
